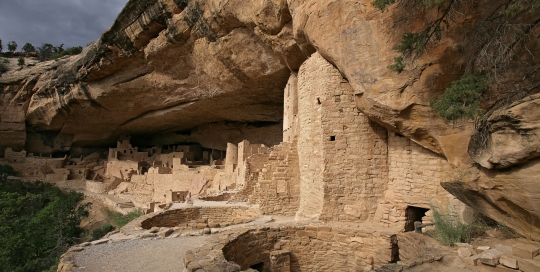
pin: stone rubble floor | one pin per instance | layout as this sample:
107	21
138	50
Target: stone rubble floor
133	253
137	255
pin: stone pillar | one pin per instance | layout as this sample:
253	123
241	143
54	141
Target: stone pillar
290	108
342	155
231	158
243	146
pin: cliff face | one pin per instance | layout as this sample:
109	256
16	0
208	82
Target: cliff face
181	70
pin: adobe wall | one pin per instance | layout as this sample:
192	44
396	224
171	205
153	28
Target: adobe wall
343	168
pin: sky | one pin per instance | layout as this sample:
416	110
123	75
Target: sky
68	22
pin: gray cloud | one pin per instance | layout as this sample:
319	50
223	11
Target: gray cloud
71	22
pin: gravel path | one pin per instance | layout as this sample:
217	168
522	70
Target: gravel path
138	255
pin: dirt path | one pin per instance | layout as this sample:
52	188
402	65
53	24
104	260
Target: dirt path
138	255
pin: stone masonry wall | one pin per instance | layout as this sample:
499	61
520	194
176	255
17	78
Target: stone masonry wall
312	79
278	188
414	178
290	109
342	154
200	217
311	248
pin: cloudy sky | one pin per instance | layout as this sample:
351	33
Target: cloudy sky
71	22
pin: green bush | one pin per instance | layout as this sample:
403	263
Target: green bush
38	223
20	62
398	65
381	4
450	230
462	99
3	68
8	170
100	232
119	220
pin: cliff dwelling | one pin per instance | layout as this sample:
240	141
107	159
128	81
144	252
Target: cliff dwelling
296	135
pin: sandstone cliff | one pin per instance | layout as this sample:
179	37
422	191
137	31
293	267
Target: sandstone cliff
215	71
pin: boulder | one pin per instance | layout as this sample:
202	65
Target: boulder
490	257
509	136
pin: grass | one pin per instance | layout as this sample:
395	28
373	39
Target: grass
450	230
119	220
113	221
100	232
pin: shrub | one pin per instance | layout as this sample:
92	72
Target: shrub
119	220
462	99
100	232
3	68
8	170
398	65
20	62
381	4
450	230
49	51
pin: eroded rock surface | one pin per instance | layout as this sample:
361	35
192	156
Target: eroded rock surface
510	136
510	196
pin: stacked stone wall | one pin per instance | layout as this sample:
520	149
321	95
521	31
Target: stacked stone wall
310	248
251	169
278	188
414	178
200	217
342	154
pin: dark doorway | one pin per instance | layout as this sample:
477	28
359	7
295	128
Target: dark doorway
259	267
413	214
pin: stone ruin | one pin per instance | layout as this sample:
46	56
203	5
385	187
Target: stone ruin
333	165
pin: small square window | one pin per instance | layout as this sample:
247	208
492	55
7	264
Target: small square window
332	138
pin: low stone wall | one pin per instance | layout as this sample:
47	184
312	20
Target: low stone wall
295	247
195	217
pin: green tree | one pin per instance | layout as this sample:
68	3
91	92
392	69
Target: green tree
38	223
20	62
49	51
28	47
1	46
12	46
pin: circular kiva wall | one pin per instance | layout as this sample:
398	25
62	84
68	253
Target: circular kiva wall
200	217
298	248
